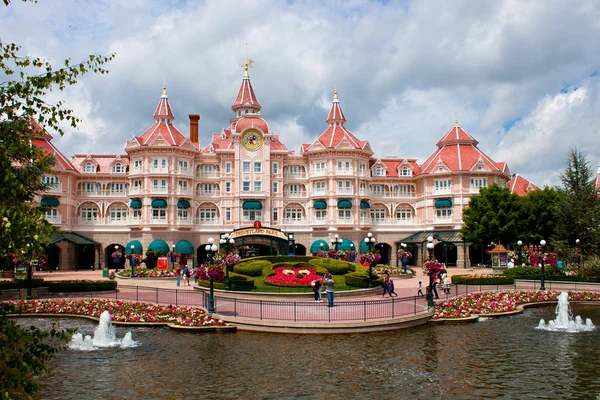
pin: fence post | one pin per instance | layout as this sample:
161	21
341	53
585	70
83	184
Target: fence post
156	295
393	307
294	311
235	306
137	293
415	302
260	309
116	294
365	310
176	293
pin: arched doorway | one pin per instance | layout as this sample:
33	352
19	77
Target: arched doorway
447	253
85	256
53	255
478	254
108	259
300	249
385	250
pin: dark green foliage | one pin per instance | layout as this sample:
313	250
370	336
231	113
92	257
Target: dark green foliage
60	286
492	280
361	280
532	271
280	259
240	282
253	267
25	353
151	259
335	267
539	215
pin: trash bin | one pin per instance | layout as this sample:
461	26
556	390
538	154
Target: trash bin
105	273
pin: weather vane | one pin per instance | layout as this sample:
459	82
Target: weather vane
247	64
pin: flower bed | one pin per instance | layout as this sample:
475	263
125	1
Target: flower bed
288	276
500	302
148	273
120	311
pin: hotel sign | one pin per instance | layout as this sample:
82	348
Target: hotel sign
258	231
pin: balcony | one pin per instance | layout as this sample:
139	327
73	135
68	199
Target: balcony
159	170
207	193
159	190
120	221
207	174
319	221
344	171
295	195
297	175
442	220
122	193
364	192
391	195
319	172
135	220
136	171
207	221
135	190
442	191
185	171
184	221
186	191
364	174
475	189
56	219
345	191
86	193
54	187
318	192
345	221
294	221
86	221
159	221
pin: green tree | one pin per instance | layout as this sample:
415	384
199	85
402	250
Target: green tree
578	209
493	215
539	215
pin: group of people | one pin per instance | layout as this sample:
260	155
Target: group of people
317	285
443	280
388	285
183	273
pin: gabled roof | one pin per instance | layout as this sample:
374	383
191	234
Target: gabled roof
392	166
43	140
520	186
220	141
458	151
104	162
336	114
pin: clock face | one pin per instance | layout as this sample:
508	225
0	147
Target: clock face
252	140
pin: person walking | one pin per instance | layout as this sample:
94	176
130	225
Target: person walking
386	284
329	282
178	274
186	276
391	289
316	286
420	291
446	283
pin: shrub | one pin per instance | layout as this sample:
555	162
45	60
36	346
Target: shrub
361	280
335	267
280	259
482	280
252	268
532	271
240	282
81	286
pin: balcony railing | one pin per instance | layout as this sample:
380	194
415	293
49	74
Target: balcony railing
159	170
121	193
54	188
184	221
135	190
57	219
207	221
295	195
475	189
136	171
294	221
294	175
345	190
442	220
319	221
186	171
135	220
345	220
159	220
207	174
86	193
120	221
391	195
86	221
364	174
318	192
207	193
159	190
319	172
344	171
184	190
442	191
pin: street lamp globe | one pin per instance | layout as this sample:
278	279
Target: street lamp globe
214	247
543	242
207	247
577	241
519	243
211	240
132	247
430	239
429	246
232	241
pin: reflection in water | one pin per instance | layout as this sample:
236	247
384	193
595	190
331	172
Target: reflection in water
504	357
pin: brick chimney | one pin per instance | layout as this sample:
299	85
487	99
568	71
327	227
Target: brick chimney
194	119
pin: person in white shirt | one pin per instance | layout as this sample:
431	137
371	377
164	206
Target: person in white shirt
511	263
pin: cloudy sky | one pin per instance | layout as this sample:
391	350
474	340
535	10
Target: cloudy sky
523	76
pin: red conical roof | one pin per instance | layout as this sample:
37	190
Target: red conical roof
336	114
246	97
163	127
163	110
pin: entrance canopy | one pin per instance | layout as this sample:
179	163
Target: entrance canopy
442	236
72	237
137	247
159	245
316	246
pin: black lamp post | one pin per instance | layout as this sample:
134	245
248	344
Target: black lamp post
403	247
520	246
291	250
322	246
226	241
370	241
336	241
543	284
115	262
132	261
173	256
29	271
577	243
211	248
430	287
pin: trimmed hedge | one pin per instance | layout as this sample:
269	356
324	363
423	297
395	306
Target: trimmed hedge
470	280
61	286
280	259
22	283
335	267
361	280
532	271
252	268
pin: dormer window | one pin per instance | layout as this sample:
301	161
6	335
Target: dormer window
89	168
406	171
379	171
118	168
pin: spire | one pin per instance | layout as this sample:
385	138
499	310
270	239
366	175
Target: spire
246	99
456	120
163	110
336	115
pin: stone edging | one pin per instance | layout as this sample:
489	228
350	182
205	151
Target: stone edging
520	308
229	328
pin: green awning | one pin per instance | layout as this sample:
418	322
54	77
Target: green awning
73	238
50	202
159	246
183	204
135	204
344	204
347	245
184	247
443	203
137	247
320	205
252	205
316	246
442	236
159	203
363	247
364	204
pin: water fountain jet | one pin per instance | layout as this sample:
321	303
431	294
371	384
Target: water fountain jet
104	336
564	321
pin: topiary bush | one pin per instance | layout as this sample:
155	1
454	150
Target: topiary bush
335	267
361	280
252	268
532	271
280	259
241	282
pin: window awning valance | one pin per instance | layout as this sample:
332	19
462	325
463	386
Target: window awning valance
137	247
364	204
320	205
159	203
252	205
183	204
50	202
159	246
344	204
184	247
316	246
135	204
443	203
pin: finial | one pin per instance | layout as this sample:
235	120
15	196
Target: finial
456	120
335	94
164	93
247	64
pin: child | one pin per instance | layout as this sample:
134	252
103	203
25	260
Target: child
420	292
391	290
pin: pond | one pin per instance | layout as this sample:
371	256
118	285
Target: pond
505	357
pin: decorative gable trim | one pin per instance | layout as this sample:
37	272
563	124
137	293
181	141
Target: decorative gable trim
440	168
480	166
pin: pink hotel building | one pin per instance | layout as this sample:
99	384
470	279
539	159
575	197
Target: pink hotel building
168	190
